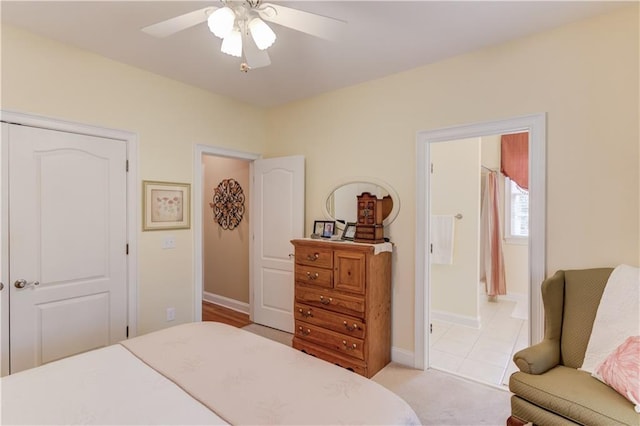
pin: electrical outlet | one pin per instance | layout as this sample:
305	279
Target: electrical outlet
171	314
169	242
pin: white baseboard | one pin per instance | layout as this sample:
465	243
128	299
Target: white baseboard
236	305
403	356
465	320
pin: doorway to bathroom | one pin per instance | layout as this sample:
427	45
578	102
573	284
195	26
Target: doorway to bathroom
479	256
453	313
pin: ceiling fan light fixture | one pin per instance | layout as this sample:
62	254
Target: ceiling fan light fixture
261	33
221	21
232	44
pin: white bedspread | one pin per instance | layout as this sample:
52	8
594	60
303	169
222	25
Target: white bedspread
249	380
200	373
108	386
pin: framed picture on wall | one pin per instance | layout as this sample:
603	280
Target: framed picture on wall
165	205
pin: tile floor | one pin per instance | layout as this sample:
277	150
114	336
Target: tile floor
482	354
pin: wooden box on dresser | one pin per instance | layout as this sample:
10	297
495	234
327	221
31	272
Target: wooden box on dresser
342	305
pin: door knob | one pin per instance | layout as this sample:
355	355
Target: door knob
1	286
21	283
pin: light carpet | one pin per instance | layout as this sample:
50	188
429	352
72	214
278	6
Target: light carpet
438	398
270	333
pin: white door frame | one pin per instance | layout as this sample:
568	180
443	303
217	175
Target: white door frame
133	212
536	125
198	176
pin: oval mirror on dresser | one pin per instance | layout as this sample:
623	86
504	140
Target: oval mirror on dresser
340	203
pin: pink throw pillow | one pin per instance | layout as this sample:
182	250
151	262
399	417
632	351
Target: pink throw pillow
621	370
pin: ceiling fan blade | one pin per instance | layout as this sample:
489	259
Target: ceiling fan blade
179	23
255	57
310	23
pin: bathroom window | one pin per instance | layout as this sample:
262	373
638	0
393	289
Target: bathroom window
516	213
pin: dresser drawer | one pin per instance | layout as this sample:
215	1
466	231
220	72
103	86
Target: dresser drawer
314	276
333	357
330	339
350	305
344	324
321	257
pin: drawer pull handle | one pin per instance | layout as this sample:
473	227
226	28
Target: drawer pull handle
350	328
312	277
305	314
349	348
303	331
325	301
314	257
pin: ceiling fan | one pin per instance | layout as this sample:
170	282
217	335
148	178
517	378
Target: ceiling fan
240	24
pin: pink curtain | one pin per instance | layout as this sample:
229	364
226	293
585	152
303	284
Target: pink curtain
491	257
514	158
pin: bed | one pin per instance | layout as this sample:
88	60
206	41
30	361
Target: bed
197	373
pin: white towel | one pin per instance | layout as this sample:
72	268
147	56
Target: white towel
442	239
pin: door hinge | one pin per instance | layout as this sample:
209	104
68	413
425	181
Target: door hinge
431	167
127	249
430	329
127	166
430	248
127	332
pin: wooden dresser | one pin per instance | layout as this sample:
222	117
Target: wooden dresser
342	305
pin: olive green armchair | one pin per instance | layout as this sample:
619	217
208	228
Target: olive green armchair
550	389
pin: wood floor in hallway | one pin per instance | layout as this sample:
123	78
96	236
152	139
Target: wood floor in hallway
213	312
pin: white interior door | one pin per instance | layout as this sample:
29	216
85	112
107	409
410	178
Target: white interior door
278	218
67	241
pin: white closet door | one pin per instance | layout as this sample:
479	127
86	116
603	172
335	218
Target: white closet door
67	230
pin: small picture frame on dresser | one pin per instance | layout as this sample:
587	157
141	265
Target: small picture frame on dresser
324	228
349	231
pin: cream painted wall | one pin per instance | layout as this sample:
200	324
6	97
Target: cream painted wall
226	252
455	189
43	77
516	255
583	75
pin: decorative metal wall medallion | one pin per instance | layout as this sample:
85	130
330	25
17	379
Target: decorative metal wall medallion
228	204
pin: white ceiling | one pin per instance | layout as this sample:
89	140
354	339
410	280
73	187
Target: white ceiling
382	38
